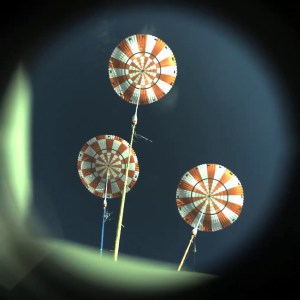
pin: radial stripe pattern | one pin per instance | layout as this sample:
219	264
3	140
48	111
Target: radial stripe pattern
209	195
142	68
107	154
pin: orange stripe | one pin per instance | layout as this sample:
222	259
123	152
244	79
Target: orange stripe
109	188
88	158
87	172
223	220
143	97
169	61
128	93
158	92
206	224
124	47
131	173
116	64
95	146
196	174
187	200
116	81
109	143
94	183
191	216
211	168
122	148
167	78
132	183
120	184
226	176
235	208
238	190
141	40
158	47
185	185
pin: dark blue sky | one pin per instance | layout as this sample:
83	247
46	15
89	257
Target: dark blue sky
227	106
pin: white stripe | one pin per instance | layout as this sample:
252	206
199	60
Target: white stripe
116	144
189	179
203	171
232	182
133	44
90	151
116	72
236	199
91	141
183	193
85	165
101	185
198	222
198	202
88	179
215	223
80	155
120	55
169	70
114	187
90	189
151	95
150	43
185	210
231	216
132	166
219	171
102	143
164	53
165	87
135	96
120	89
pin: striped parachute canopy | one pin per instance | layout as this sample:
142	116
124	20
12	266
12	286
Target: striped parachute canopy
107	154
142	69
209	196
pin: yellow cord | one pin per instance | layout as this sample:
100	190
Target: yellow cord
186	252
118	235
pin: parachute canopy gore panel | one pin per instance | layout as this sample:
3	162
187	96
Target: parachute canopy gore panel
209	195
142	69
106	156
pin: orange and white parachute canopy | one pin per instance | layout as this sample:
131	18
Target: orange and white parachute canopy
106	156
142	69
209	197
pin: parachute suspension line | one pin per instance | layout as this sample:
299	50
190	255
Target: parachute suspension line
194	251
104	214
186	252
194	233
118	235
